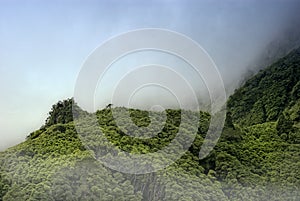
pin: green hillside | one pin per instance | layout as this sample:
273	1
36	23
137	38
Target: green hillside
256	158
264	97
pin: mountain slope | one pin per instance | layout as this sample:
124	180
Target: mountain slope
52	164
266	95
256	158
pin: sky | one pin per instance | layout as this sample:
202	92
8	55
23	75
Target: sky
43	44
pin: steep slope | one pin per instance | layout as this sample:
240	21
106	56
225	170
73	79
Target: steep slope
267	110
265	96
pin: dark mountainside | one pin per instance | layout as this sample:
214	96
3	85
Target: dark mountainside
256	158
273	93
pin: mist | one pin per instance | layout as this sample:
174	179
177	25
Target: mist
241	38
44	45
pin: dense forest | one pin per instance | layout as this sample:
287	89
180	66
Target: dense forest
256	158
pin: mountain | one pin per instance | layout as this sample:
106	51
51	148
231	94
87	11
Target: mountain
256	158
52	164
264	97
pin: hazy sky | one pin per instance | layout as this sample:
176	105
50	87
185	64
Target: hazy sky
43	44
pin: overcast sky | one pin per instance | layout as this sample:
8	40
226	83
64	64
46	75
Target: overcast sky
43	44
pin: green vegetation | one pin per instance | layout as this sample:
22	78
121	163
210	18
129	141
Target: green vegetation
256	158
265	96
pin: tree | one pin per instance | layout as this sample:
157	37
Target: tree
284	124
61	112
228	121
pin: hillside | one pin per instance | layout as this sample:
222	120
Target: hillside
52	164
264	97
256	158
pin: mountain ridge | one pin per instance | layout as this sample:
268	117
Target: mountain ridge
256	158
